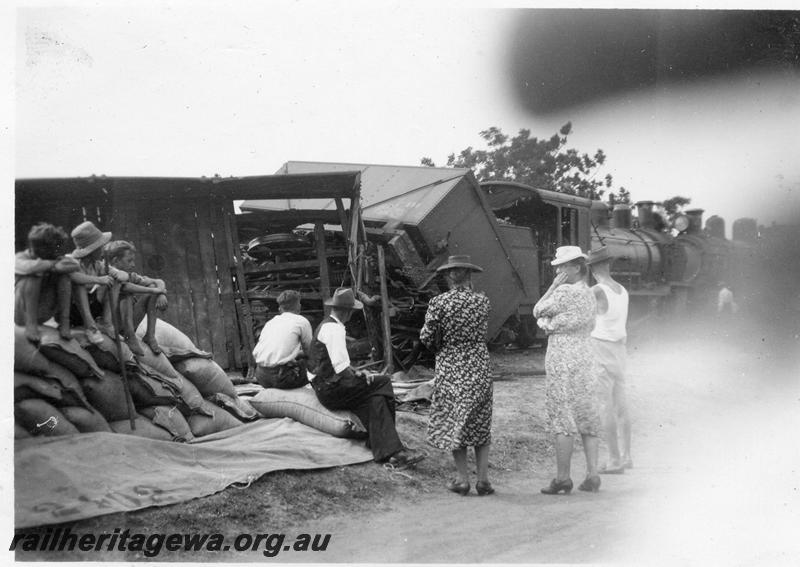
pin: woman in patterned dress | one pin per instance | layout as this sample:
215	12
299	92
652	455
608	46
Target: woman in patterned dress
567	312
461	412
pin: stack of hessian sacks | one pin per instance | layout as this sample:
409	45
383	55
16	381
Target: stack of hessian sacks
65	387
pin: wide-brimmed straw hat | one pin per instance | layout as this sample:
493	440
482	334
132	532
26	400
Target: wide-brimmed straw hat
88	238
459	261
566	254
344	298
599	255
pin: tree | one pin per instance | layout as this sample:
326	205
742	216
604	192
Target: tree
674	205
544	164
621	197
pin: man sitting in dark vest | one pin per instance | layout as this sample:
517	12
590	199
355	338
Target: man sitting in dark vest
338	386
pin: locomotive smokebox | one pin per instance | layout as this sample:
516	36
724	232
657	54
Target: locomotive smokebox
645	214
622	216
715	226
695	221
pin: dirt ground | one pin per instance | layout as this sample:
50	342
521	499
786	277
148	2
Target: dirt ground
715	479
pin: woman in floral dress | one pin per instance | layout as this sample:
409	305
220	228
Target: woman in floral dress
461	412
567	312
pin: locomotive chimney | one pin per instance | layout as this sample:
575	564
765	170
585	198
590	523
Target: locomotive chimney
622	216
645	214
695	221
715	226
599	212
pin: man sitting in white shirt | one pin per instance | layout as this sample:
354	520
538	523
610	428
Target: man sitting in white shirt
283	346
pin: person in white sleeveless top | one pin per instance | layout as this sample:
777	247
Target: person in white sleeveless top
608	339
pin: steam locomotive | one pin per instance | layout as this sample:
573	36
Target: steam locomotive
670	266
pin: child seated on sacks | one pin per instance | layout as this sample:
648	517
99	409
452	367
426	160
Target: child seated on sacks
91	281
139	296
42	286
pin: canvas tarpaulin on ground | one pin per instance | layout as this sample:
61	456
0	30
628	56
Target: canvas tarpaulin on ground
62	479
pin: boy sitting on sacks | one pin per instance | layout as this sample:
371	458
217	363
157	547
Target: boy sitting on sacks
42	287
90	282
139	296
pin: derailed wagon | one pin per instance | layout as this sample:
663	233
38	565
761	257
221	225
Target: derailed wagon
421	215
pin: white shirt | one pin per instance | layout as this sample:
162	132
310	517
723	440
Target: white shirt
610	326
282	338
334	337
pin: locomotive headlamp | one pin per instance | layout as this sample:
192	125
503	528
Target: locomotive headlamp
681	223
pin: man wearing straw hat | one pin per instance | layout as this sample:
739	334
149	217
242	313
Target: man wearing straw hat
338	386
608	340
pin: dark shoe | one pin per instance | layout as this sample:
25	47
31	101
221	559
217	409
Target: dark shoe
611	469
239	407
484	488
591	484
406	458
556	487
459	487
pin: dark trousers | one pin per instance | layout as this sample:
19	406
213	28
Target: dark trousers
286	376
372	403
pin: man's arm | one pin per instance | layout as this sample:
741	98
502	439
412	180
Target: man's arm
131	288
32	266
27	266
306	336
333	336
81	278
601	299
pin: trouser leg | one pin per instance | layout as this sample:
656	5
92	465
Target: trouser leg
377	416
372	403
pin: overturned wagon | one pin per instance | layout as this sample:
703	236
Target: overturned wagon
420	215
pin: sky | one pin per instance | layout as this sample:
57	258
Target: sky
239	88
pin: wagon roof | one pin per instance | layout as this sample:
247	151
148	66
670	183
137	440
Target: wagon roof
309	185
390	187
501	194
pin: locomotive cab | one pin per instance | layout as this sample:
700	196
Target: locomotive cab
554	219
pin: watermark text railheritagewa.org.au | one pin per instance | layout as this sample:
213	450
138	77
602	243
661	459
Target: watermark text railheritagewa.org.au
152	545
